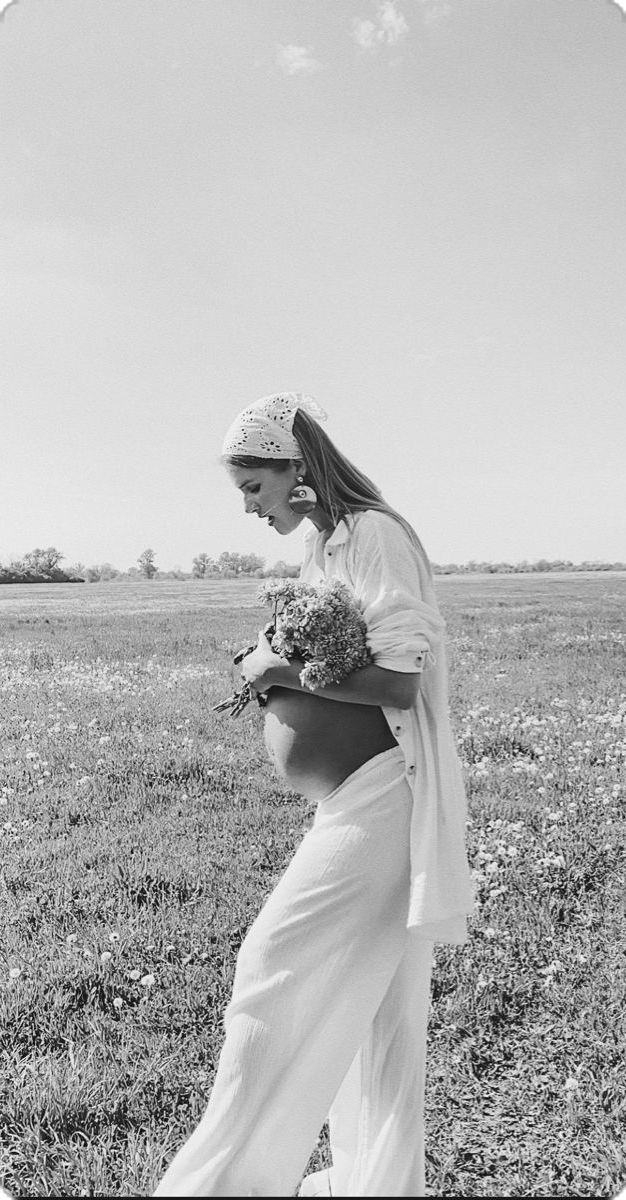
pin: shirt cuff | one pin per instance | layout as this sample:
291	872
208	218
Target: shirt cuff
406	664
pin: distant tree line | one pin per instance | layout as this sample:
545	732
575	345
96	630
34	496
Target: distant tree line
42	566
38	566
523	568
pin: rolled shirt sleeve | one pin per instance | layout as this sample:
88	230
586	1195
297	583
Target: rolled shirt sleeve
389	576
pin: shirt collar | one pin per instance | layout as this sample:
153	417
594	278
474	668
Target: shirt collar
340	534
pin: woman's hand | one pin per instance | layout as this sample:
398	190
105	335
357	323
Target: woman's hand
257	666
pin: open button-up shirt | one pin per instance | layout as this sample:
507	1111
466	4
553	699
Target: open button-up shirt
390	578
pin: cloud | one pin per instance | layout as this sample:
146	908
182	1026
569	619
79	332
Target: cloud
297	60
389	27
364	33
392	22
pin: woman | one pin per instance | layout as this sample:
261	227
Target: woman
331	991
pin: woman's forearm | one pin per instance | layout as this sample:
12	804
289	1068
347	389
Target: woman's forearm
369	685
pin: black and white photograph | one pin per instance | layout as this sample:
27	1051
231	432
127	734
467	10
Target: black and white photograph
312	598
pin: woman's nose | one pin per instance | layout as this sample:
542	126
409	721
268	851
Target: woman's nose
251	505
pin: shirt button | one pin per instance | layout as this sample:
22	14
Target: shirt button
411	768
398	729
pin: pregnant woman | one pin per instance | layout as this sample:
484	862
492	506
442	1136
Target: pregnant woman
330	999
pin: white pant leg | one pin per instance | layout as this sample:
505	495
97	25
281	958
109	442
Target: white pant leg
310	977
377	1118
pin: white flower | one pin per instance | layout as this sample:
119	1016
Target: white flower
118	1002
15	972
134	974
106	956
148	980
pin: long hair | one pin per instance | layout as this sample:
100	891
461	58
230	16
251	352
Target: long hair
341	488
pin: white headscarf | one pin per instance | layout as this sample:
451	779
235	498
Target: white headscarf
264	429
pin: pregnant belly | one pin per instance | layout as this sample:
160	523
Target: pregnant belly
316	743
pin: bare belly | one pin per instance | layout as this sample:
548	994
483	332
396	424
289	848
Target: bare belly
315	743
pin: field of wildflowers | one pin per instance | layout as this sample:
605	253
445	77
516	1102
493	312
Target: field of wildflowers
139	833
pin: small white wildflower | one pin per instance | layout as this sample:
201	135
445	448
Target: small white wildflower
15	972
118	1002
71	938
134	974
106	956
114	937
148	980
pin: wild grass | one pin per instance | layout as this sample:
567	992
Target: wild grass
139	834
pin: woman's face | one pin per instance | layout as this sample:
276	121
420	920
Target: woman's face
265	493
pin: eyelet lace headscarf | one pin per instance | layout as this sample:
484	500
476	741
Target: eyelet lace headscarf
265	428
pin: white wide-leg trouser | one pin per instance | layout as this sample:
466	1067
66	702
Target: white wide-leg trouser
328	1013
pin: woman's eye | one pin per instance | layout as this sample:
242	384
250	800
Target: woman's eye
252	491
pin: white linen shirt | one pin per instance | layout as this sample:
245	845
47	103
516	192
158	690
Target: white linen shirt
390	578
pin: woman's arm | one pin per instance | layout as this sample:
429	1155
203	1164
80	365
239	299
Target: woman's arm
369	685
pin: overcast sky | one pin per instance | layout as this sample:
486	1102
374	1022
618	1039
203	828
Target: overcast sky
413	209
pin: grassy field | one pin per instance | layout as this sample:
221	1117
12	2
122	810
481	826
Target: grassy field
139	834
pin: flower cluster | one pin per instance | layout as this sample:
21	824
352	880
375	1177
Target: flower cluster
322	625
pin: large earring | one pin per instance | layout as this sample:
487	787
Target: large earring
302	499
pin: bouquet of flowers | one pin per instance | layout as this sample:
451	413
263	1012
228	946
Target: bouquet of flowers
322	625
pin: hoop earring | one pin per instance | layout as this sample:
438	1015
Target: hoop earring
302	499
